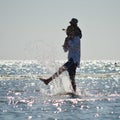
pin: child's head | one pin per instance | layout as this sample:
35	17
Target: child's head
73	21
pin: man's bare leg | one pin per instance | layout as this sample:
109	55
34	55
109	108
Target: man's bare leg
72	78
46	81
74	86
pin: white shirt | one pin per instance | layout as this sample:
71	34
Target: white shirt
74	49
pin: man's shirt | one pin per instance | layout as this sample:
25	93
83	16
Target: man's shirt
74	50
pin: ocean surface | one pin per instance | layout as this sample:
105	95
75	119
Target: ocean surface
24	97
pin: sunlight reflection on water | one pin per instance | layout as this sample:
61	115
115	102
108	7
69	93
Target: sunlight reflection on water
23	96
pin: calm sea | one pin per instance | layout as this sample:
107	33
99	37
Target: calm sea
24	97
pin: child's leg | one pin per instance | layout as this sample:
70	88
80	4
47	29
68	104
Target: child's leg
65	45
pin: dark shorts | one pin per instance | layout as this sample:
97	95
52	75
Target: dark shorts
71	67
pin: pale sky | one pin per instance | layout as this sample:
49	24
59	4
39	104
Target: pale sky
31	29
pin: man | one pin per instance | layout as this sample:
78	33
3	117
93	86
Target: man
72	45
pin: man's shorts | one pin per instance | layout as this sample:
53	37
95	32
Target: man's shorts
71	67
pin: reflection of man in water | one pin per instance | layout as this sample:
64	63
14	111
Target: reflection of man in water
72	45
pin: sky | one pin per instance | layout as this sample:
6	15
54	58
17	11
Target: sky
32	29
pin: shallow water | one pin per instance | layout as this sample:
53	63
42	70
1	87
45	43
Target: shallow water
24	97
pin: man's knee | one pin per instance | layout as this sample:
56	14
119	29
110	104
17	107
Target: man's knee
72	77
62	69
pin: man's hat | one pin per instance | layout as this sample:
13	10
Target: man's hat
74	21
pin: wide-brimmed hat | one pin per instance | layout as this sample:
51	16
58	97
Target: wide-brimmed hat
74	21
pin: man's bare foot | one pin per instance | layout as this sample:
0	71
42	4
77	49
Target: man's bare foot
44	80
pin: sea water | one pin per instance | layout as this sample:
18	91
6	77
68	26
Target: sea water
24	97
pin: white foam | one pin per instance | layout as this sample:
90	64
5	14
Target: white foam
61	84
